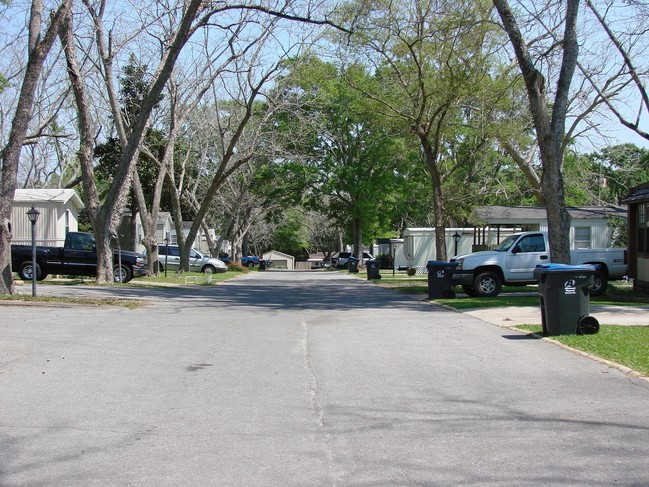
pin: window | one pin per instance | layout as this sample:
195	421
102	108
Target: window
81	241
582	237
532	243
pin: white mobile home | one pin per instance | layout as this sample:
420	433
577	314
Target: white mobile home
590	229
590	226
59	212
419	244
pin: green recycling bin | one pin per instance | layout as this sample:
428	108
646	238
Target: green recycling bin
564	293
439	279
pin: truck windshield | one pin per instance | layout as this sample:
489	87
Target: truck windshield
507	243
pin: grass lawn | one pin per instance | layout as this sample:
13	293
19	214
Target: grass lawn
126	303
624	345
177	280
181	279
617	293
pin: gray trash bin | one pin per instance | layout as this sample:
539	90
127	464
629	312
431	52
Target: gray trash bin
373	269
564	293
352	264
439	279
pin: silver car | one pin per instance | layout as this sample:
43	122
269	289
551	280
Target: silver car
169	257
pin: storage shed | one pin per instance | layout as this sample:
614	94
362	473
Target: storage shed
59	210
280	260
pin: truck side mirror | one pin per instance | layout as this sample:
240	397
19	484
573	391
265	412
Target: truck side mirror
516	249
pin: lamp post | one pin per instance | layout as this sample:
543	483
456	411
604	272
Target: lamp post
394	242
33	215
456	238
166	240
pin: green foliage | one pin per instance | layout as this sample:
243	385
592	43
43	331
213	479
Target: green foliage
135	85
290	235
3	82
619	168
351	164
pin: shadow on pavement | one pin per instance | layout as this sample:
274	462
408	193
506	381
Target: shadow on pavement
328	293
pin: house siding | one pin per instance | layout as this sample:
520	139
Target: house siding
58	215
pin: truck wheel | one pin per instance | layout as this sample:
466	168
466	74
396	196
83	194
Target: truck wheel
250	264
600	281
469	291
487	285
25	272
122	274
209	269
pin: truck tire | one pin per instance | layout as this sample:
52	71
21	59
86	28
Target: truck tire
487	285
600	281
122	274
250	264
469	291
25	272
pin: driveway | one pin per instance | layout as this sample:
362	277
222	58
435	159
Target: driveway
300	379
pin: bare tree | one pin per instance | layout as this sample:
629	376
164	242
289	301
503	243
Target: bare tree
39	46
626	82
183	99
549	118
186	19
234	134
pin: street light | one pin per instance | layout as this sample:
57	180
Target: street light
456	238
33	215
394	242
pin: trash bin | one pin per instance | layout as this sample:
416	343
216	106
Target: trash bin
439	279
262	265
564	293
373	269
352	264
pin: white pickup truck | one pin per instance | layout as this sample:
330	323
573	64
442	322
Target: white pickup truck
513	262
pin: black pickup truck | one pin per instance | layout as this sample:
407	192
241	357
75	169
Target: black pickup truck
77	257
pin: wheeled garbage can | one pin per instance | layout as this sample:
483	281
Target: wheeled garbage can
262	265
439	279
352	264
373	266
564	293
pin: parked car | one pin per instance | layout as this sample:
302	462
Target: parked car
250	261
513	262
343	258
169	255
77	257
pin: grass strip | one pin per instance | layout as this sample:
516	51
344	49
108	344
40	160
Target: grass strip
126	303
624	345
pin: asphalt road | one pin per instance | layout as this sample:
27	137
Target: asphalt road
303	379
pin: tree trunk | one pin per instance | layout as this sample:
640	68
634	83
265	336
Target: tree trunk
10	154
358	238
550	131
431	154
